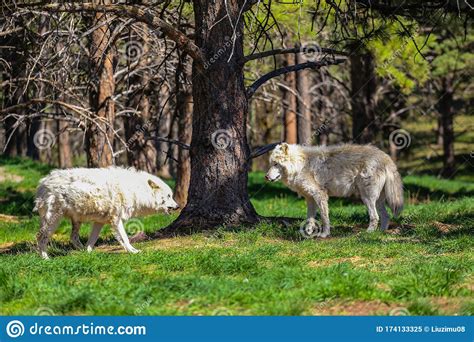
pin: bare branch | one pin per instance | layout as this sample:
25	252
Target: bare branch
137	13
290	50
291	68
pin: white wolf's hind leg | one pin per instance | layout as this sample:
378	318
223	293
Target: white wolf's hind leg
47	229
76	242
384	217
96	228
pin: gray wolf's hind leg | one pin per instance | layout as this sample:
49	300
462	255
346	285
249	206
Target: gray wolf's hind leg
374	217
76	242
384	217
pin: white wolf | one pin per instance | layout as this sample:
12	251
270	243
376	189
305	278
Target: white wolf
316	173
102	196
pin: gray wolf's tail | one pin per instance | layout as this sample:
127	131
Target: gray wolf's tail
394	190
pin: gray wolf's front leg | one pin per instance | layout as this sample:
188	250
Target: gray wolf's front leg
311	227
321	199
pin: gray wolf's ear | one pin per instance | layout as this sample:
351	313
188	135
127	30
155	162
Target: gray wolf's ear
153	185
284	148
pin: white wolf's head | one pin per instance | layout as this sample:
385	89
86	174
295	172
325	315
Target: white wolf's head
161	194
284	161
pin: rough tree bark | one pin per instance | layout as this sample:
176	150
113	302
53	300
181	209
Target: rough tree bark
219	150
290	103
363	85
446	109
100	133
304	104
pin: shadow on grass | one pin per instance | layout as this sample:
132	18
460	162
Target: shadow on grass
17	203
55	248
425	193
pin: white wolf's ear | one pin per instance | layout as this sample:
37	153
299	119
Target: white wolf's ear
153	185
284	148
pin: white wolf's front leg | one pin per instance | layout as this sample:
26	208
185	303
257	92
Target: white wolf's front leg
122	237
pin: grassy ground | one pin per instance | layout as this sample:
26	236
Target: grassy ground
422	266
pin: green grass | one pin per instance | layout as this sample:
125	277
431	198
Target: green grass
424	265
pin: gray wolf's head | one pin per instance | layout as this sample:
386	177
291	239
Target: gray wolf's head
282	161
162	195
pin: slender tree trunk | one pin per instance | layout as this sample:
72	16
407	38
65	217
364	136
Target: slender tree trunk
219	150
290	103
142	154
304	104
363	86
163	129
446	108
439	131
100	132
185	112
64	146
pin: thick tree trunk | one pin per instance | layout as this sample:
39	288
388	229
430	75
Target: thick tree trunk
100	132
219	150
363	84
290	103
304	104
446	108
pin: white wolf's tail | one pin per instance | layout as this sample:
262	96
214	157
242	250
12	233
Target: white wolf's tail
394	190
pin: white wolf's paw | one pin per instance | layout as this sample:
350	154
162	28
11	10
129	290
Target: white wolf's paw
323	234
371	229
89	249
134	251
44	255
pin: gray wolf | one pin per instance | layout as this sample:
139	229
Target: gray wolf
362	171
101	196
